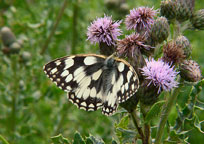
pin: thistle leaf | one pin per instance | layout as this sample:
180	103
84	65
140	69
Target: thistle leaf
59	139
154	111
78	139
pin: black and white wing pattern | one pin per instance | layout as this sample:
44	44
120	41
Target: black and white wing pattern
94	81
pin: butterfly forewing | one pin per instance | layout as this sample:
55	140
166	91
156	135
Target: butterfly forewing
90	84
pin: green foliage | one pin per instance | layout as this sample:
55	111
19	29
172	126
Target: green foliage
3	140
59	139
154	111
33	110
123	132
78	139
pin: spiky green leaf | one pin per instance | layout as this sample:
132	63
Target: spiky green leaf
154	111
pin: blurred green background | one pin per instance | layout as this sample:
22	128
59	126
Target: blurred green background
32	109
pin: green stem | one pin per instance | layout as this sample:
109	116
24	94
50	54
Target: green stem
15	87
139	129
74	33
4	141
62	120
165	113
145	109
59	16
28	8
147	133
177	29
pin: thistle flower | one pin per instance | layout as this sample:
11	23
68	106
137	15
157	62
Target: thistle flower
131	42
190	71
160	74
173	53
104	30
140	19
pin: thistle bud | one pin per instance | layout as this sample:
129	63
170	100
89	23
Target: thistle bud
183	42
173	53
191	5
7	36
160	30
124	8
15	47
168	9
198	19
183	11
190	71
25	56
111	4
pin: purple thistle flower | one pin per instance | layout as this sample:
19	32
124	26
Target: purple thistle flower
104	30
140	18
161	74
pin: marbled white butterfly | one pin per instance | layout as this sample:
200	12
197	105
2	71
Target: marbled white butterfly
94	81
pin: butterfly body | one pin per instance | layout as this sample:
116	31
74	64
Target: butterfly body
94	81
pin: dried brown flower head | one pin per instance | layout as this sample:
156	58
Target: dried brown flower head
173	53
131	42
190	71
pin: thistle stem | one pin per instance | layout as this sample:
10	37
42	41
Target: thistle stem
62	119
14	95
165	113
3	140
59	16
139	129
147	132
177	30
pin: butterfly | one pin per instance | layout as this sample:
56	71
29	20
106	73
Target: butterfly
94	81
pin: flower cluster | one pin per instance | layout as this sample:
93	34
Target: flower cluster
104	30
158	53
149	33
161	74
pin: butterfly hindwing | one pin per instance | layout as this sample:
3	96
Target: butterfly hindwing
88	104
128	81
124	84
93	81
